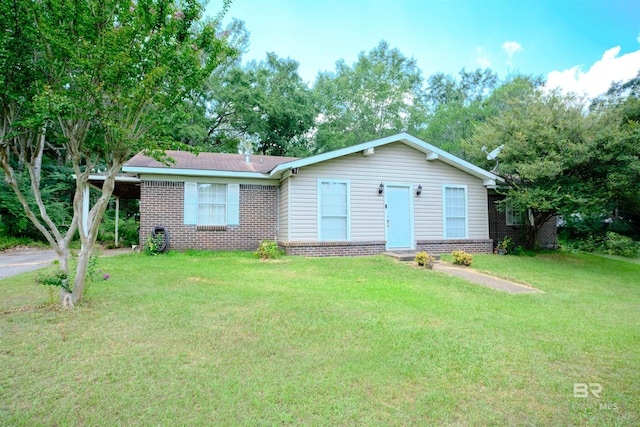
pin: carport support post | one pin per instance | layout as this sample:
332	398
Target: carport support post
117	217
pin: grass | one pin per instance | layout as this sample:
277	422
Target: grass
225	339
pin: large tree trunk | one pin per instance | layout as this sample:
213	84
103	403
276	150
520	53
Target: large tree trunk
81	274
535	221
89	231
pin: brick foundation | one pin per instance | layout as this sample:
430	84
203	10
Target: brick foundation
161	203
438	247
325	249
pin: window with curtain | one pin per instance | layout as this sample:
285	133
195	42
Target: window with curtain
455	212
212	204
333	205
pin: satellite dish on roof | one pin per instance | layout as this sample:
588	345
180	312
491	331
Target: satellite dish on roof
493	155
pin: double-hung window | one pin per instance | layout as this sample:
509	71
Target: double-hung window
211	204
513	216
455	211
333	210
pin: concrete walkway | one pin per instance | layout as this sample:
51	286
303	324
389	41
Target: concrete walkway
467	273
483	279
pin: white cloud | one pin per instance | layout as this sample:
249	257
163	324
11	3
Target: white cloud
482	59
511	48
638	38
597	80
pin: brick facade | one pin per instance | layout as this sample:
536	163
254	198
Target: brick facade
161	203
498	228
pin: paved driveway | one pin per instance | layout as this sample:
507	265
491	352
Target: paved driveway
13	262
18	261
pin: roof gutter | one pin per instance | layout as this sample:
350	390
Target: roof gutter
195	172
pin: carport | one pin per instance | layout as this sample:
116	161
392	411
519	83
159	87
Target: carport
127	186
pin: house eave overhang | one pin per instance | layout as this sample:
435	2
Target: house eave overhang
433	153
118	178
196	173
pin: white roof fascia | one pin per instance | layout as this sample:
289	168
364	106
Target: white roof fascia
405	138
119	178
195	172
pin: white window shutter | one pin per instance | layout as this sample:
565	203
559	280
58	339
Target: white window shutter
233	204
190	203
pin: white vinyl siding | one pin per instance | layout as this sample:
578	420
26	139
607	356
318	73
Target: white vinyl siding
283	211
455	211
211	204
333	210
395	162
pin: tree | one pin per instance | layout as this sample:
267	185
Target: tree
616	169
57	187
206	112
102	73
548	147
455	105
381	94
265	103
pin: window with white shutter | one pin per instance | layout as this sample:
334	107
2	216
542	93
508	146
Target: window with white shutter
211	204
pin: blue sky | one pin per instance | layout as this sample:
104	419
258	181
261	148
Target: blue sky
565	41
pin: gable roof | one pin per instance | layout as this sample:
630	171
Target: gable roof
432	152
272	167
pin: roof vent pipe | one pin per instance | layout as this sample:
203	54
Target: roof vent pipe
246	157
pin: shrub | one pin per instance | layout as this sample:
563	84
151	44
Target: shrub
59	278
506	245
153	244
423	259
462	258
127	231
268	249
8	242
617	244
518	250
612	243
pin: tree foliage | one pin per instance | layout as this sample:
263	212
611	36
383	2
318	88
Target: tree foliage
265	104
102	74
548	145
379	95
616	170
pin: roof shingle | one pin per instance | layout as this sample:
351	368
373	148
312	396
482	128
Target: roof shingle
212	161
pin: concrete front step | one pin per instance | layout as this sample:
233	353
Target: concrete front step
405	255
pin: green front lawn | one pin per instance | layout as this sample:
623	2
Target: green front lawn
225	339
